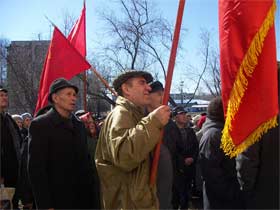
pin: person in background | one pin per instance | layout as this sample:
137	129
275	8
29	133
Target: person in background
59	168
25	186
189	121
92	137
18	119
188	164
258	169
195	120
169	153
220	186
126	140
26	120
10	140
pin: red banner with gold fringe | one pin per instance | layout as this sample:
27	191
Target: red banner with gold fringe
248	71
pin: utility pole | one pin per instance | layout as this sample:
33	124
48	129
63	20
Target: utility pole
182	93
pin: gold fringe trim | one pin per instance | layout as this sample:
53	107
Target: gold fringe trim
246	69
251	139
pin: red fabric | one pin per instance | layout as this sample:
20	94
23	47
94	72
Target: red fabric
62	60
201	121
239	21
77	36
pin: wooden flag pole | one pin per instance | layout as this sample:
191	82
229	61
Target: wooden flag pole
85	73
104	81
168	81
85	90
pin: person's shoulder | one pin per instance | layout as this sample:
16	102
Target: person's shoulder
43	119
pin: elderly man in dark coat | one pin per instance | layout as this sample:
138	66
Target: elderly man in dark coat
10	139
59	167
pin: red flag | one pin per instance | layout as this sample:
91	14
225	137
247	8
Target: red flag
248	72
77	36
62	60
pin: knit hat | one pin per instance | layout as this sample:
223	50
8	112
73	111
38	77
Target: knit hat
59	84
17	117
26	115
122	78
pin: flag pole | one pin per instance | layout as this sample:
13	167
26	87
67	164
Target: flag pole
104	81
85	90
168	81
85	72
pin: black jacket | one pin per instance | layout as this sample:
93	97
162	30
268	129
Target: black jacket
10	140
170	151
59	167
258	172
189	150
218	171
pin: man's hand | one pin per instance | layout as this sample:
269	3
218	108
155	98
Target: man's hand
162	113
188	161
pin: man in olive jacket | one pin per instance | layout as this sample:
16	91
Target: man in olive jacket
59	167
125	142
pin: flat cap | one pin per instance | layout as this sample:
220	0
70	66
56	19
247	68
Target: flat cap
122	78
59	84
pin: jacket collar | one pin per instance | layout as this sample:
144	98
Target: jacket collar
57	118
129	105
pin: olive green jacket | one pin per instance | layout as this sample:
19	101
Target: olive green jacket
123	157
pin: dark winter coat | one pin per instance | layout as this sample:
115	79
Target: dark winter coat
258	172
59	166
221	188
10	152
190	150
170	152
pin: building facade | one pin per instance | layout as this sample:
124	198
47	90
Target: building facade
25	62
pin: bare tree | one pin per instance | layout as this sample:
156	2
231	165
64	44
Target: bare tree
68	22
3	62
141	39
213	79
209	71
24	63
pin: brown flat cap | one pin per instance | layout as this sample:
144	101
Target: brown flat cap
122	78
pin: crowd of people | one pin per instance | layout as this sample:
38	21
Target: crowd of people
62	159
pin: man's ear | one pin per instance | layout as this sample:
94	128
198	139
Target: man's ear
54	97
125	89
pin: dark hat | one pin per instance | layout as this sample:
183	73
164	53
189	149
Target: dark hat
122	78
3	89
59	84
156	86
179	110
